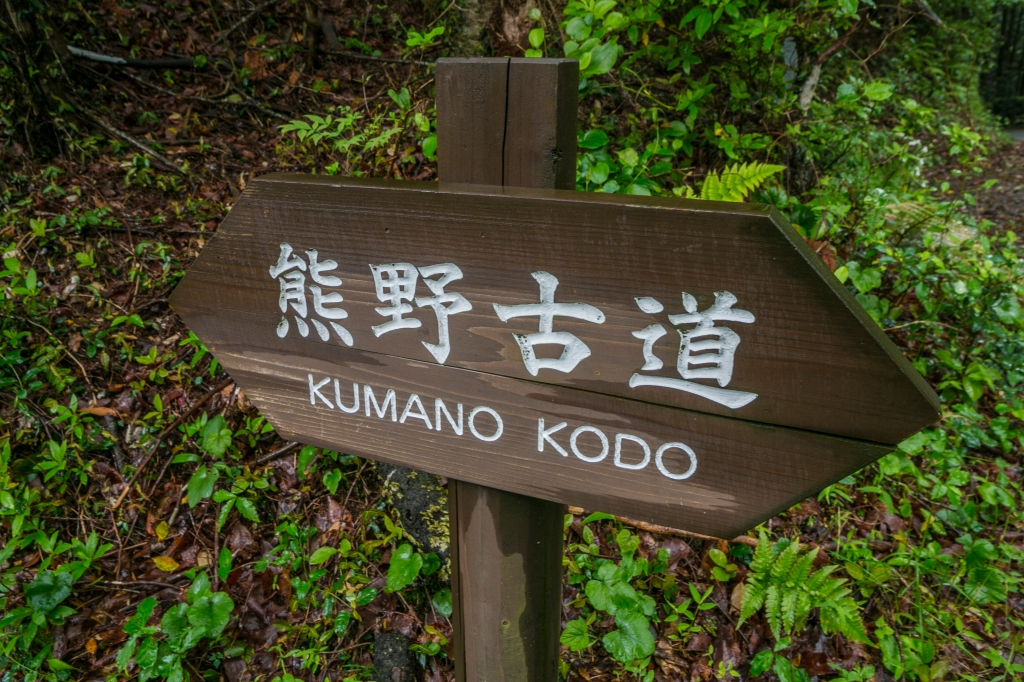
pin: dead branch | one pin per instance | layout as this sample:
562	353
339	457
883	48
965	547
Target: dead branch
371	58
241	22
169	63
135	143
665	530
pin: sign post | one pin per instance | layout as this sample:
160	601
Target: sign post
687	363
508	122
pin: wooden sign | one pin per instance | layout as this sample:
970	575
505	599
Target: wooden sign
687	363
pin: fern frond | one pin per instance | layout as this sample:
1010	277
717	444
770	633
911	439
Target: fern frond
818	580
803	609
711	189
843	616
788	608
753	598
803	568
784	563
763	555
737	181
773	610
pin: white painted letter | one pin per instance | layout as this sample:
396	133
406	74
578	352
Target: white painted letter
355	396
419	414
497	418
545	435
439	407
618	451
314	392
658	460
596	431
389	397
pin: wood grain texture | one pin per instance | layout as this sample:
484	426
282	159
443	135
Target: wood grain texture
471	102
813	357
507	584
540	132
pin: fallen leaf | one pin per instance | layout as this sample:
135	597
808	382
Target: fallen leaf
736	600
90	646
99	411
165	564
204	558
161	530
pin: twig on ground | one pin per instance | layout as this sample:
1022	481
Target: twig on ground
665	530
372	58
241	22
135	143
168	63
166	432
277	453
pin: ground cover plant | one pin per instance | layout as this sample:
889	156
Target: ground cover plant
152	524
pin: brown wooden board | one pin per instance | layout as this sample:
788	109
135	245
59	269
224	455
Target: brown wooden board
820	368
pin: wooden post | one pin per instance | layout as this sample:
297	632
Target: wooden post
506	122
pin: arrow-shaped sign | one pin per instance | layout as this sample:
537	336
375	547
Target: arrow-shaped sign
686	363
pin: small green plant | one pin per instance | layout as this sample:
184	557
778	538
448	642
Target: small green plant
685	613
426	40
783	582
734	183
158	650
631	642
43	597
536	35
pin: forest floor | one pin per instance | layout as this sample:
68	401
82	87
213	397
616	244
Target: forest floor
120	230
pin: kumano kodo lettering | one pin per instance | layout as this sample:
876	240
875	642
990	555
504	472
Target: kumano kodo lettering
589	444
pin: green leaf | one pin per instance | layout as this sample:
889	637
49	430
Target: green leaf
632	639
704	20
429	146
593	139
431	563
48	589
598	516
211	613
146	656
878	91
322	555
215	438
175	623
57	665
331	480
247	509
762	662
536	38
602	59
599	595
224	563
442	601
200	486
125	653
405	567
200	586
864	279
184	458
341	622
575	636
137	623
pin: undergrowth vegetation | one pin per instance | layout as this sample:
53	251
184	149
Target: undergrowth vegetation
859	121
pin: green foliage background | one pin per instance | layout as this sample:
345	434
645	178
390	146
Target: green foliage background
860	121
